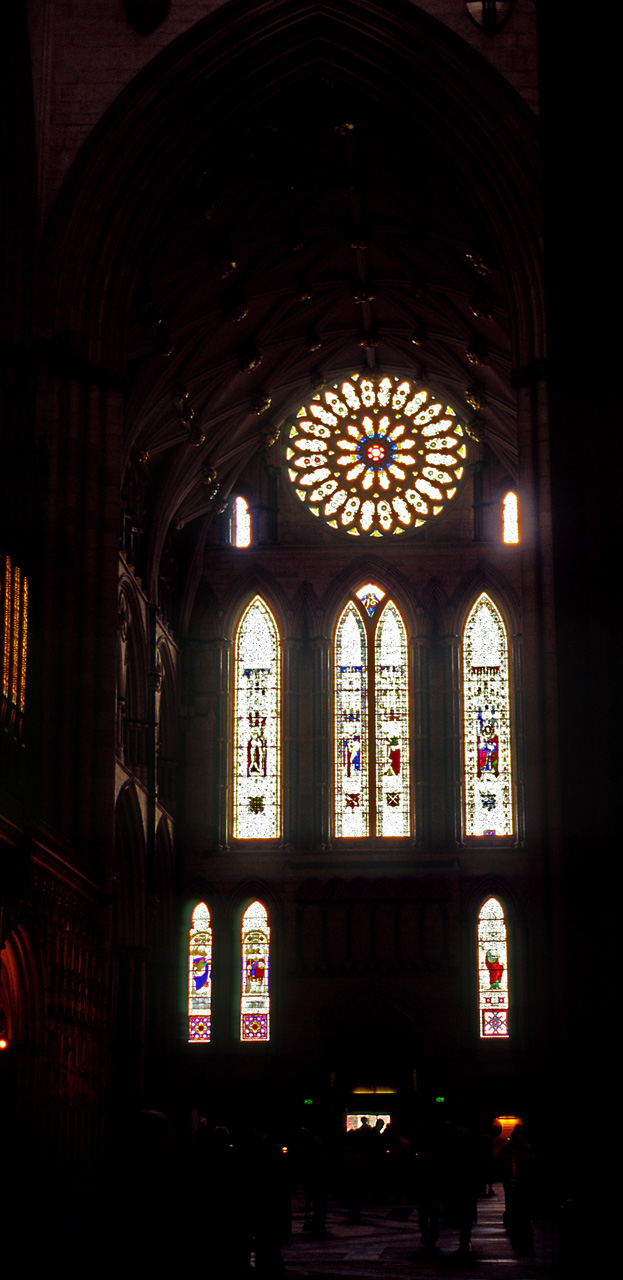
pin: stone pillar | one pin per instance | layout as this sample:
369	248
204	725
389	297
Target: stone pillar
80	413
321	824
453	737
420	768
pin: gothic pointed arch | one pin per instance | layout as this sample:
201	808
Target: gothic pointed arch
257	725
255	974
487	761
199	962
493	979
371	718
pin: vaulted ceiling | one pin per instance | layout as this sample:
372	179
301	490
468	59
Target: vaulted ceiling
296	201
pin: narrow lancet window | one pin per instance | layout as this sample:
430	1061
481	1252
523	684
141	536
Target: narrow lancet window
257	726
200	976
241	523
392	724
352	816
255	998
486	707
13	633
492	971
510	518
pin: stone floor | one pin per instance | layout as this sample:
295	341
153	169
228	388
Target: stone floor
387	1244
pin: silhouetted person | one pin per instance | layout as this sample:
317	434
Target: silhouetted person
516	1161
462	1173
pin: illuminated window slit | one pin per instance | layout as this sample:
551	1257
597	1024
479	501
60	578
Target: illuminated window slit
241	523
14	633
510	518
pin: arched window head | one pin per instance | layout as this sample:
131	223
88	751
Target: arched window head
486	710
241	523
510	518
255	974
257	725
492	972
200	975
371	719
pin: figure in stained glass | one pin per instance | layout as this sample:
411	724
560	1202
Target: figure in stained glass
255	996
492	971
382	665
393	756
200	975
492	961
256	745
486	708
351	754
487	743
257	710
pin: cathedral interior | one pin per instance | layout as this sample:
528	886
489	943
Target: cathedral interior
254	251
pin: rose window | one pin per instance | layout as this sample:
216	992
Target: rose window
376	457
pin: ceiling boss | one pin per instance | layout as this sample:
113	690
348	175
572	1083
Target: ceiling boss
376	456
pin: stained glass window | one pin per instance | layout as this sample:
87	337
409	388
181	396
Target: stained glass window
255	997
510	518
13	632
370	597
257	725
200	976
376	457
486	705
351	726
392	724
241	523
492	971
371	719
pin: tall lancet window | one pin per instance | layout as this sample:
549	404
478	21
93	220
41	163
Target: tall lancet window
241	529
510	518
257	725
352	816
200	975
486	707
255	997
371	719
492	971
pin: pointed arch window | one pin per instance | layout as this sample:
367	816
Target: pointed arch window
200	975
510	518
371	713
486	712
255	974
257	725
241	523
492	971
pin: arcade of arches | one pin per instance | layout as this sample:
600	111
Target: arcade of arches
289	654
